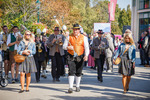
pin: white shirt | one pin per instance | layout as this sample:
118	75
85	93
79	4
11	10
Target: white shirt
9	39
86	45
1	39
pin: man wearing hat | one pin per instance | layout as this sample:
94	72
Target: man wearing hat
76	44
56	52
99	46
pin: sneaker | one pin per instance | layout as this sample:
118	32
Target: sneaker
70	90
13	81
17	80
77	89
109	71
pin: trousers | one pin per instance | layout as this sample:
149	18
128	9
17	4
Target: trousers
75	65
56	65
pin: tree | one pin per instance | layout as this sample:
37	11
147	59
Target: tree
19	12
123	19
129	15
115	24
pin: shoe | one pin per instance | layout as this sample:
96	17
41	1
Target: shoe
101	80
37	81
109	71
57	80
128	89
54	80
92	67
77	89
70	90
27	90
17	80
21	91
146	65
44	76
13	81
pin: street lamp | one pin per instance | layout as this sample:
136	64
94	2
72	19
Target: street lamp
38	8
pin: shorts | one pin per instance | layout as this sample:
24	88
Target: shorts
5	55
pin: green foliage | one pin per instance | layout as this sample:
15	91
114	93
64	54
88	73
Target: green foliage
84	12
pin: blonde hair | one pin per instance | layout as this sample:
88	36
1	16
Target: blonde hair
128	31
31	37
131	38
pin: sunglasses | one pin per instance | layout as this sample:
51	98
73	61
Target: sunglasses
28	34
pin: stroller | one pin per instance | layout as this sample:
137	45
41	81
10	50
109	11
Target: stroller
3	80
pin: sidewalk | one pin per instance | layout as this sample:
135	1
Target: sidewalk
91	89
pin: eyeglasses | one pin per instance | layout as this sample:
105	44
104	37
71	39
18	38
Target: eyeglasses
28	34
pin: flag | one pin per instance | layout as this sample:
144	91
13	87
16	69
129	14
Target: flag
111	8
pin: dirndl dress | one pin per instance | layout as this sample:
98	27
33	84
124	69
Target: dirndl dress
28	66
126	66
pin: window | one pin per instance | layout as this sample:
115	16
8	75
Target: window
144	4
144	22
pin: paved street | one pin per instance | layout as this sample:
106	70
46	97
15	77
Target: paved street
91	89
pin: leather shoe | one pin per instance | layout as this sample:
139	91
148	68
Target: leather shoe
70	90
77	89
21	91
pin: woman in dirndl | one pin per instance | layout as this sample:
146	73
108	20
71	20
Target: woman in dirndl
127	64
27	48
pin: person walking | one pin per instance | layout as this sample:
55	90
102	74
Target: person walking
55	44
27	48
145	47
46	56
76	44
127	65
39	56
140	47
5	50
99	46
12	43
109	52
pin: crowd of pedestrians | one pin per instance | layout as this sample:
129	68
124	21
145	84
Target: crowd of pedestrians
99	51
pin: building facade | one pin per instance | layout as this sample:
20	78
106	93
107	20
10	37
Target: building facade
140	20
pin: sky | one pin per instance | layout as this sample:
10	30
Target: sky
124	3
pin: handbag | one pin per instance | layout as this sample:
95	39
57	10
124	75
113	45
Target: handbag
20	58
118	59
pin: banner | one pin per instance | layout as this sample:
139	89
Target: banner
111	8
106	27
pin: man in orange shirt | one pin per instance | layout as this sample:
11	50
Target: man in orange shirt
76	43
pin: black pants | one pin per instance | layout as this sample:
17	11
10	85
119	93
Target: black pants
62	68
142	56
75	66
100	64
56	65
38	66
147	58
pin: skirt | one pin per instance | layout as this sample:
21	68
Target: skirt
28	66
91	61
126	67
